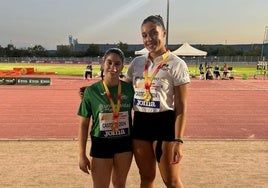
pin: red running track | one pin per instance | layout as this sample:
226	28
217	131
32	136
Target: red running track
217	109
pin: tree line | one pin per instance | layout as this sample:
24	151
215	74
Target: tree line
94	51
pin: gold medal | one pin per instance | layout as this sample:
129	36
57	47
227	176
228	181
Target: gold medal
147	96
115	107
115	126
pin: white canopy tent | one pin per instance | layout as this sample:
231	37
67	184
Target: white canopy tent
187	50
141	52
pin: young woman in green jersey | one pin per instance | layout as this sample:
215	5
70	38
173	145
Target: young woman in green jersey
108	103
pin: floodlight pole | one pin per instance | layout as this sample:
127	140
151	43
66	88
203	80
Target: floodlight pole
264	38
167	23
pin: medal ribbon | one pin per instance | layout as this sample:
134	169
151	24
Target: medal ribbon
148	81
115	108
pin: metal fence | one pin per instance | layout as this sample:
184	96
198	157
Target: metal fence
220	60
212	60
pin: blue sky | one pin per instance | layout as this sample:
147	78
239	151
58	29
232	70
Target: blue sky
49	22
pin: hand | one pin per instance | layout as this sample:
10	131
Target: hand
176	152
84	164
81	92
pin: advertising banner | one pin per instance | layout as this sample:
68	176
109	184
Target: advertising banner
25	81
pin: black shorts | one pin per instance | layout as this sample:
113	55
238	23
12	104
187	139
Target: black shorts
154	126
107	148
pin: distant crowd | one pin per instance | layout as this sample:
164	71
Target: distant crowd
208	72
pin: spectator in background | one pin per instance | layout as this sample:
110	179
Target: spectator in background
101	74
88	71
209	73
225	71
216	72
201	71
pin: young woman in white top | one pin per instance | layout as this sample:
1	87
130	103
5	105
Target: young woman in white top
160	81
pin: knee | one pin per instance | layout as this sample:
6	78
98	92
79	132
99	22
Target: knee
118	184
147	177
118	181
173	182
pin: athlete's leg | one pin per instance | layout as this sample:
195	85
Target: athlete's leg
122	162
170	173
145	159
101	170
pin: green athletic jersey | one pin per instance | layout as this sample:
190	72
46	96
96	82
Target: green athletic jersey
95	104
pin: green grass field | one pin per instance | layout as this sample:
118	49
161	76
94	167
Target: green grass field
60	69
78	69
